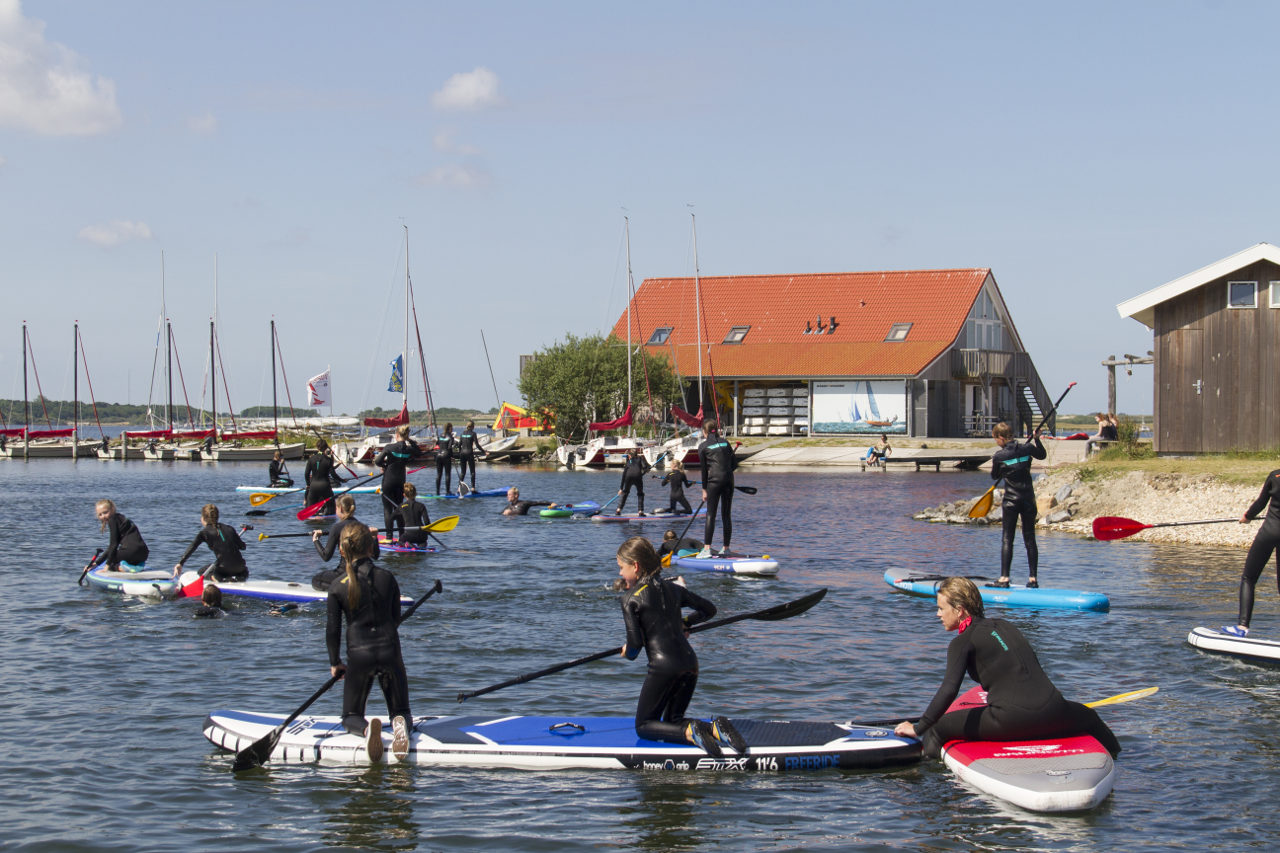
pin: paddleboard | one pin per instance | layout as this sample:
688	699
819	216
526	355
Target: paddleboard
1067	774
135	580
474	493
300	593
571	742
921	583
649	516
1253	648
405	547
556	513
291	490
736	565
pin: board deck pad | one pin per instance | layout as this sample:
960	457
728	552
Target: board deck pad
925	584
566	742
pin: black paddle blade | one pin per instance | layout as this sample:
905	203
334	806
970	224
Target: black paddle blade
255	512
256	753
792	608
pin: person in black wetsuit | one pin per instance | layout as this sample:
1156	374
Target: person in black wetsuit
1013	462
126	545
715	455
394	460
652	611
444	448
210	604
468	448
633	471
515	506
224	542
677	480
367	597
279	472
1265	543
671	546
346	518
317	476
413	516
1022	703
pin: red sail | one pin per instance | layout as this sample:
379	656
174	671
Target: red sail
50	433
196	433
625	420
384	423
694	421
232	436
14	432
148	433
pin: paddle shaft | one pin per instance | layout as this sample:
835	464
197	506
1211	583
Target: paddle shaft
88	566
983	506
442	525
780	611
666	558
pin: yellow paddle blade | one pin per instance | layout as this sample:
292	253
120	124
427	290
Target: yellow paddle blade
666	560
1124	697
262	536
259	498
983	506
443	525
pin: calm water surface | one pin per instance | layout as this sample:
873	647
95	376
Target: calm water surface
104	696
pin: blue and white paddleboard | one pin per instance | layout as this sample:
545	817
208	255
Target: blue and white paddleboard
571	742
922	583
290	490
1252	648
568	510
667	517
134	580
735	565
474	493
405	547
300	593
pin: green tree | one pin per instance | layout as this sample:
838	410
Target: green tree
581	380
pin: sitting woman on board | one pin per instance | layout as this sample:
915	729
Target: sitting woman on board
367	597
279	472
224	542
413	517
1013	463
677	480
126	545
317	476
346	506
1265	543
651	612
1022	703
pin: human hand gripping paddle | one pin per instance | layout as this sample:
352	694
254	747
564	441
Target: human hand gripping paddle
1110	700
308	511
257	753
983	506
769	614
440	525
1109	527
88	566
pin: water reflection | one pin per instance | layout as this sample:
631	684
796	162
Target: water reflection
374	810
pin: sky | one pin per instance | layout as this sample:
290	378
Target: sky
276	153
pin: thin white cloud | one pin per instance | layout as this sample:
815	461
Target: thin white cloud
453	175
443	141
114	233
469	91
2	161
205	124
43	85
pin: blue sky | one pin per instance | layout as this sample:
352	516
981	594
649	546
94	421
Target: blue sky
1084	152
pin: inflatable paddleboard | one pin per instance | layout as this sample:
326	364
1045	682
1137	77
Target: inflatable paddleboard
135	580
571	742
736	565
474	493
649	516
921	583
290	490
1212	640
300	593
556	513
405	547
1067	774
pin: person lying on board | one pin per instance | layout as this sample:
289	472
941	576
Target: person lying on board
346	506
515	506
1265	543
671	546
1022	703
224	542
412	514
279	472
125	545
367	598
651	612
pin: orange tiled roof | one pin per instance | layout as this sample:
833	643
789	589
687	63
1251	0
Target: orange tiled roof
865	305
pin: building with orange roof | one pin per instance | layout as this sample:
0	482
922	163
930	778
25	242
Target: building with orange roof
915	352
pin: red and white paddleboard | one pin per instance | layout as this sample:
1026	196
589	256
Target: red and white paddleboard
1065	774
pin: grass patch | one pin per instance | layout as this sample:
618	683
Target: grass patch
1237	469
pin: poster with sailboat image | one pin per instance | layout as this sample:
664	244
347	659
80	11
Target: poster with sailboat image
841	407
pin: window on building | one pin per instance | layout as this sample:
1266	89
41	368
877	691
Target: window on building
659	336
1275	294
736	334
898	332
1242	294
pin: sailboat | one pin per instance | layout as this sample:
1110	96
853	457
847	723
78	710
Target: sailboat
875	419
610	450
237	451
60	443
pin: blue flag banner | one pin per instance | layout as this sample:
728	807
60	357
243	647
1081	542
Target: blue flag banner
396	383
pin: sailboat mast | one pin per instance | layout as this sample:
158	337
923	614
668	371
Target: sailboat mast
274	416
26	398
631	295
168	370
404	378
697	301
75	392
213	384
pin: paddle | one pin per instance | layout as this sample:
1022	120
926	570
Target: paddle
308	511
769	614
1110	700
606	506
88	566
259	498
1109	527
257	753
666	558
746	490
983	506
440	525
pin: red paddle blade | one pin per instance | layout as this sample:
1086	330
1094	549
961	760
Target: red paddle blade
308	511
1109	527
194	589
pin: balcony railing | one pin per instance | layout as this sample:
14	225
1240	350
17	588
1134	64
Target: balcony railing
977	363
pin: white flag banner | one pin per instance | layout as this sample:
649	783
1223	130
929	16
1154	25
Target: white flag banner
318	390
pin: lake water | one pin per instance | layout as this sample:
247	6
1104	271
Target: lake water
105	696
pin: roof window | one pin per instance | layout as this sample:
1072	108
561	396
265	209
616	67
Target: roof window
898	332
736	334
659	336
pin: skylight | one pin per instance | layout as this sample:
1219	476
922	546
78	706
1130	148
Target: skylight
898	332
736	334
659	336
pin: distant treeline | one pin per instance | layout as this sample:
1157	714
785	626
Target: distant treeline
62	411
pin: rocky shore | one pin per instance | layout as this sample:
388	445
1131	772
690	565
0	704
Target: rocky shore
1066	502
